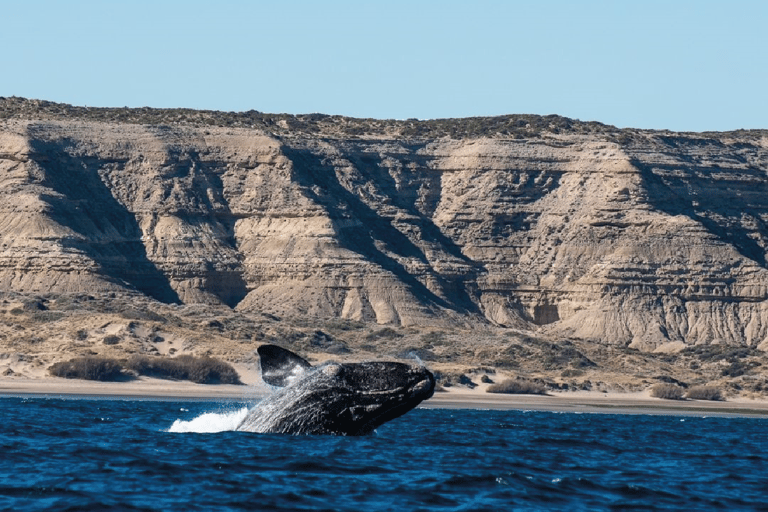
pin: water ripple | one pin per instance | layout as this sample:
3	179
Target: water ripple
118	455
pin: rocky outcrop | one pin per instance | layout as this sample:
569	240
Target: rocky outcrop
649	239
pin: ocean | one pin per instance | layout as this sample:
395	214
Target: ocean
98	454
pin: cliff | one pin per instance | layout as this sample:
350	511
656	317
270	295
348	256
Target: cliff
652	240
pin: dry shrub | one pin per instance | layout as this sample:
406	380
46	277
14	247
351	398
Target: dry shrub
89	368
705	393
386	333
667	391
111	340
202	370
142	314
518	387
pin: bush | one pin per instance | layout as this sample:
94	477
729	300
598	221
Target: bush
386	333
667	391
466	381
739	368
46	316
111	340
142	314
705	393
34	305
518	387
202	370
433	338
89	368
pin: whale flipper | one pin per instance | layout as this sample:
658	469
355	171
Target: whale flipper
279	366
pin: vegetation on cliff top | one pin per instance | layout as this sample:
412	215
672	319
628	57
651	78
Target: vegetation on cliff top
519	126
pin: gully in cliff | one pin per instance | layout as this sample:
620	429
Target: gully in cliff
334	398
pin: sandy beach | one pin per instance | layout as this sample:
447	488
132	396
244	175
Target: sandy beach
571	402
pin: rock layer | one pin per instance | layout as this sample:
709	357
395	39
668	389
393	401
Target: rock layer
649	239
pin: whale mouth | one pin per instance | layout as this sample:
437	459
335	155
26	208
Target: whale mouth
425	387
399	403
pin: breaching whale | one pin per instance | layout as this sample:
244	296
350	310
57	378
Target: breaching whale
334	398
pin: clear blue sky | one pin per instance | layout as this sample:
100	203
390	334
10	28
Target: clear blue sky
676	64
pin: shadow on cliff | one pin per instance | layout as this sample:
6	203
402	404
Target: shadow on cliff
111	236
321	184
371	167
204	182
713	202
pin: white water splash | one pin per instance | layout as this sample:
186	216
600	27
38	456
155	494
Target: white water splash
211	422
296	372
413	355
291	375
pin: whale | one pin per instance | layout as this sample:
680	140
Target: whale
346	399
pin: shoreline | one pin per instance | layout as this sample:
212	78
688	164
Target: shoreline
564	402
600	403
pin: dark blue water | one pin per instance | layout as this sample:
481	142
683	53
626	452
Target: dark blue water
118	455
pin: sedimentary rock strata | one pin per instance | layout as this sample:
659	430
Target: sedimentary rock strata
654	240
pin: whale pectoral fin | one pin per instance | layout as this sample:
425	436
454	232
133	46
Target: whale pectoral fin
279	366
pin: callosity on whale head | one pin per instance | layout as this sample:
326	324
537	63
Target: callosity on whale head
335	398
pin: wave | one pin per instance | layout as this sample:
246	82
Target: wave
210	422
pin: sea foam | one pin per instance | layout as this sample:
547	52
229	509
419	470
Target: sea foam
211	422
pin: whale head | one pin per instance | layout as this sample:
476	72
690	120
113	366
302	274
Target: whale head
335	398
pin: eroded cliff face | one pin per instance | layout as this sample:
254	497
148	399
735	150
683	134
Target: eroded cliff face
654	242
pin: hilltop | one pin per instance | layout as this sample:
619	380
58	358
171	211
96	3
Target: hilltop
539	245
